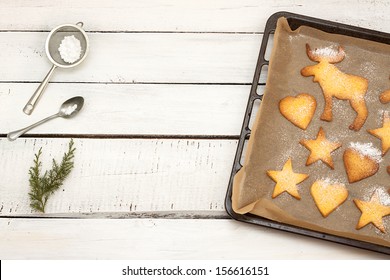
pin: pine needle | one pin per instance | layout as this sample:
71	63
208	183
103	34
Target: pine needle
41	187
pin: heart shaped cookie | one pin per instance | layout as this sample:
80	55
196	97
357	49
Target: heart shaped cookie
328	196
361	161
299	110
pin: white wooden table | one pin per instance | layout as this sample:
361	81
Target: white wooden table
166	84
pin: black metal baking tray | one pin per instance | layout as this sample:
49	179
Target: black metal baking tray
295	21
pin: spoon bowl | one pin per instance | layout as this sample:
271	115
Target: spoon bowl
68	109
71	107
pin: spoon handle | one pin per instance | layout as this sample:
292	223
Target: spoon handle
38	92
15	134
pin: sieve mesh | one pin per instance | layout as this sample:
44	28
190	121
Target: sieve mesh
55	39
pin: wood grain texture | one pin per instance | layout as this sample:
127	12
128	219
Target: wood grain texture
119	175
137	58
161	239
127	109
156	67
184	16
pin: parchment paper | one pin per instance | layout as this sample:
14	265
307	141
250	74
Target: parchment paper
274	139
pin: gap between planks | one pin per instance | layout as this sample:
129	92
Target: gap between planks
130	136
146	32
133	83
198	215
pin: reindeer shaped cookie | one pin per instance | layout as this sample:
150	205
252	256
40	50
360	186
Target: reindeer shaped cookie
338	84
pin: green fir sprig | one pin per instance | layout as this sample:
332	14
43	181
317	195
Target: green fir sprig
41	187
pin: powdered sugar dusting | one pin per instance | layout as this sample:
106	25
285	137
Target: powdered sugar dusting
367	149
380	115
384	196
369	70
69	110
294	37
330	181
331	51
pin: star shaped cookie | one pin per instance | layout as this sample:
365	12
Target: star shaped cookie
373	212
383	133
320	149
286	180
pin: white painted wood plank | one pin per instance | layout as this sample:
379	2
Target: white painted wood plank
187	16
161	239
129	109
122	176
137	58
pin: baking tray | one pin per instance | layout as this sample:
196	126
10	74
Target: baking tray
295	21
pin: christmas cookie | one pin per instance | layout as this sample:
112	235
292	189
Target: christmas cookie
328	196
361	161
320	149
383	133
335	83
385	97
373	212
299	110
286	180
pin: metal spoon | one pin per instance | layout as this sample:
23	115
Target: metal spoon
67	110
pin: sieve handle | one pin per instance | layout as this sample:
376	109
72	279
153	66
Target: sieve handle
38	92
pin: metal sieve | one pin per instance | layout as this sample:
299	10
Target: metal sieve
53	42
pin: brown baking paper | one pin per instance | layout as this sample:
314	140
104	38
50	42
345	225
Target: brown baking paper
274	139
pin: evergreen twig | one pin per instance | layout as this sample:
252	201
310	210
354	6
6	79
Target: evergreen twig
41	187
